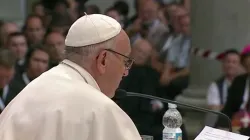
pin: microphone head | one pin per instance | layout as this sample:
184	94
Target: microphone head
120	93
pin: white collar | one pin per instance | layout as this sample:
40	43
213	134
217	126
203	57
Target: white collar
5	92
25	78
83	73
21	61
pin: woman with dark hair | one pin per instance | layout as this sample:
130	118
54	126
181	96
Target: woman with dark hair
237	106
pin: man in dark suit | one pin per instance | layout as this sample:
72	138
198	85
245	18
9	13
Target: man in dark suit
238	98
145	113
7	70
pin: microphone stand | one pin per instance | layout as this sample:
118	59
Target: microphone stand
182	104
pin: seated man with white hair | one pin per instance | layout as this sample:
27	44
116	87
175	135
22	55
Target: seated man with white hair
72	100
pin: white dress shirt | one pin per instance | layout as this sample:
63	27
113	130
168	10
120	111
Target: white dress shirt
213	96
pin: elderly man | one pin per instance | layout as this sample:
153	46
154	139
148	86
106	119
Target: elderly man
72	100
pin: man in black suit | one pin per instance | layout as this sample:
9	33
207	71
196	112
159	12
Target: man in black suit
7	70
142	79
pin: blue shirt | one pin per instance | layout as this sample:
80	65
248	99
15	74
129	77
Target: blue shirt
178	52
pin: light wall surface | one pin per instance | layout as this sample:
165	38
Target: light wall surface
217	25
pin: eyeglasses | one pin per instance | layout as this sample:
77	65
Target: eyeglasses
128	62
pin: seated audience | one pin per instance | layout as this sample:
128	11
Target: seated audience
36	62
160	46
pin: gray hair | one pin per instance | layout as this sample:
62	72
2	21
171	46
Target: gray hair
87	52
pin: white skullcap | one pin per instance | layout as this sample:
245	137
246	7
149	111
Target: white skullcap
92	29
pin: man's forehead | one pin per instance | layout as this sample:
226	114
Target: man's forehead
34	21
232	55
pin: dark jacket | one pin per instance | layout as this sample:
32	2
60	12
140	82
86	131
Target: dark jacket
16	86
142	79
145	80
234	99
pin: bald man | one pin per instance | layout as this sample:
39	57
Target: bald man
142	79
141	51
72	100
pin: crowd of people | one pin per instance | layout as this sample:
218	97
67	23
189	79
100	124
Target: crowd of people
159	34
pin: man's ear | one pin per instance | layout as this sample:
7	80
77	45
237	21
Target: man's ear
101	61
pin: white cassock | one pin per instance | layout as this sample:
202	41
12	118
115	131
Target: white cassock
61	105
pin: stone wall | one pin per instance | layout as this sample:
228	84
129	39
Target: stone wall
217	25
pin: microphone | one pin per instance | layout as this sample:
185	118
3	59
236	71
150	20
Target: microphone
122	94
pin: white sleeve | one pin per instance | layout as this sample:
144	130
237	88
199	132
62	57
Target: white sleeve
213	95
111	123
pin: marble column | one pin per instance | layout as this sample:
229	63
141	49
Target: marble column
217	25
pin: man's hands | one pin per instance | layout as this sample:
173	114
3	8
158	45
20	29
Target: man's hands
167	78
